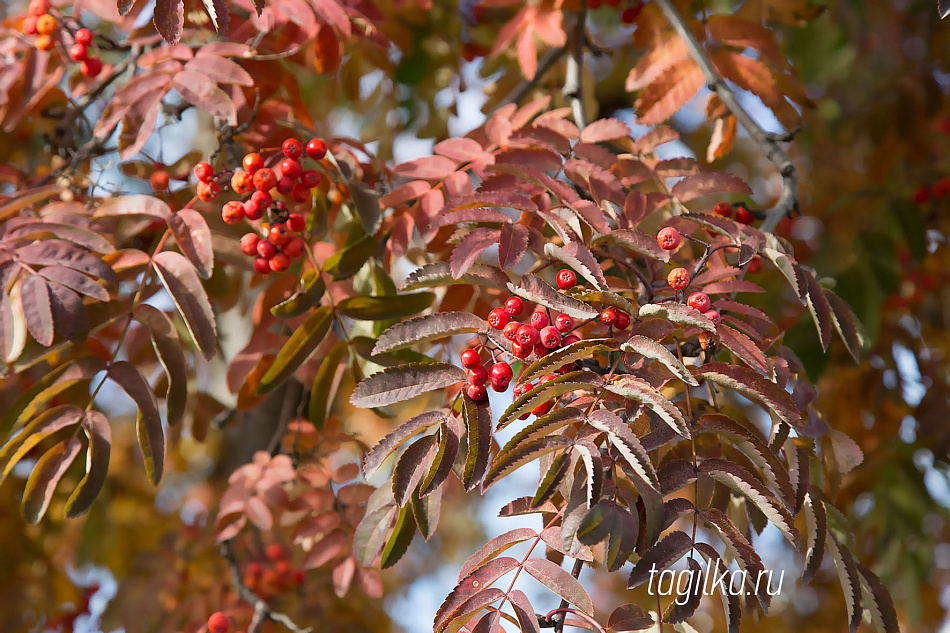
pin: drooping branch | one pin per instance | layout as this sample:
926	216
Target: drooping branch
769	143
262	610
573	89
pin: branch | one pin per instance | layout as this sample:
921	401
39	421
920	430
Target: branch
262	610
573	89
769	143
563	609
547	61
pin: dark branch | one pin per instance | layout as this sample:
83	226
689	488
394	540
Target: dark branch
547	61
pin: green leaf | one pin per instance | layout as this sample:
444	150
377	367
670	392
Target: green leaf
385	307
47	424
298	348
552	479
310	295
97	430
347	261
607	298
400	538
477	416
320	395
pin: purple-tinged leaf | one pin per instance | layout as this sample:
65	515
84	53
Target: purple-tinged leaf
220	69
202	92
876	598
744	348
439	274
560	582
428	327
527	619
846	323
493	548
396	384
629	617
512	245
741	550
488	623
649	348
524	505
194	238
97	430
731	286
818	305
59	253
78	235
753	386
462	150
717	224
49	469
75	280
527	452
788	267
579	257
594	469
552	479
445	455
635	241
692	187
607	298
219	14
326	549
169	18
477	417
399	436
184	286
565	383
816	522
133	205
44	426
411	466
470	248
585	348
681	610
847	453
675	475
471	590
627	444
535	289
258	513
850	581
399	540
70	317
37	310
544	425
639	390
426	511
168	350
149	423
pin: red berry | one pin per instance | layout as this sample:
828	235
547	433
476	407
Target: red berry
755	266
527	336
310	178
262	266
254	570
470	359
291	168
252	211
296	222
550	337
668	238
158	180
566	279
265	179
501	374
724	209
922	195
477	375
713	316
623	320
294	248
285	185
78	52
629	16
514	306
546	378
261	199
699	301
744	216
252	162
279	234
266	249
297	577
499	318
242	182
510	331
218	623
232	212
28	25
608	316
519	350
84	37
540	350
476	392
570	339
275	552
941	187
300	193
292	148
208	191
91	67
594	4
678	278
539	320
204	172
564	323
249	244
316	149
279	262
39	7
542	408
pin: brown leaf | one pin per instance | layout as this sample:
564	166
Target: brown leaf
169	18
200	90
182	283
669	93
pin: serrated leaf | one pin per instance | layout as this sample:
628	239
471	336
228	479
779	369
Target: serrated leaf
429	327
649	348
382	308
545	425
440	274
744	348
533	288
44	426
565	383
560	582
320	396
788	267
97	430
606	297
512	245
640	390
636	241
470	248
402	382
477	417
549	483
625	441
818	306
740	549
494	548
168	350
677	313
878	602
846	323
816	522
692	187
660	556
465	595
850	580
526	452
585	348
399	540
410	467
49	469
371	532
397	437
183	285
681	611
445	456
752	386
717	224
149	423
298	348
594	483
194	239
578	257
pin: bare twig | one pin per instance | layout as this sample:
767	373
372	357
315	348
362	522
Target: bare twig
563	609
769	143
573	82
262	610
547	61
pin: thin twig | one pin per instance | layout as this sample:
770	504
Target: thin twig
769	143
547	61
262	610
559	622
573	89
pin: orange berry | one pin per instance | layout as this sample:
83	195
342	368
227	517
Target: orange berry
242	182
265	179
252	162
43	42
46	24
158	180
279	262
208	191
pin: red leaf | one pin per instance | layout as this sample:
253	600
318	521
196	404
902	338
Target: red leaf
194	238
203	92
149	423
258	513
668	94
527	54
332	13
326	549
664	54
463	150
218	12
182	283
59	253
604	130
426	168
69	314
692	187
560	582
34	297
97	429
160	53
512	245
46	474
220	69
468	250
405	193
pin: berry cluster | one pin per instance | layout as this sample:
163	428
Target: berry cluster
670	239
273	574
743	215
925	193
46	28
278	242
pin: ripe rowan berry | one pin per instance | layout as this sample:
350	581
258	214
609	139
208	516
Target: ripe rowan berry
623	320
540	350
261	199
630	15
608	316
297	577
292	148
158	180
707	341
498	318
678	278
668	238
744	216
254	570
291	168
279	234
470	359
476	392
539	319
941	187
252	211
477	375
28	26
275	552
724	209
755	266
44	43
296	222
262	266
593	5
316	149
78	52
922	195
279	262
310	178
208	191
204	172
249	244
91	67
713	316
46	24
699	301
265	179
566	279
564	323
218	623
542	408
232	212
84	37
510	331
39	7
514	306
242	182
501	375
252	162
300	193
527	336
284	185
294	248
550	337
519	350
266	249
570	339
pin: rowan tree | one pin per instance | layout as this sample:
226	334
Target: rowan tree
286	286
